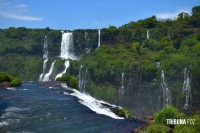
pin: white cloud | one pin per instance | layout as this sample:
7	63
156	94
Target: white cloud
16	11
171	15
22	6
19	17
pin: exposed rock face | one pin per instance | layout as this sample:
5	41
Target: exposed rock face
5	84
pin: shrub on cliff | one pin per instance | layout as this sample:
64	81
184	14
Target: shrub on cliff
168	112
189	128
4	77
70	80
155	128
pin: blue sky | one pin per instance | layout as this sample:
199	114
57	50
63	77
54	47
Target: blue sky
84	14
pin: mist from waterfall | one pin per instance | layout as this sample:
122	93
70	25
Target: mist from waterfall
187	87
166	92
45	56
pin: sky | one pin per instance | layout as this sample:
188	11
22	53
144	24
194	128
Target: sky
86	14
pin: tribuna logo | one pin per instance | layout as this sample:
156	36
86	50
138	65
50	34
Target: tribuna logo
180	121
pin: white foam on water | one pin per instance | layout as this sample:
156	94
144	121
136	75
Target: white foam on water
92	103
15	109
66	93
11	88
9	115
23	89
4	123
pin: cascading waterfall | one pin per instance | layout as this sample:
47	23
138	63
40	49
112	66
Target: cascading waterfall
99	41
44	67
64	71
46	76
147	34
80	81
169	34
67	46
83	78
129	77
45	56
45	48
87	40
166	92
187	87
122	86
67	49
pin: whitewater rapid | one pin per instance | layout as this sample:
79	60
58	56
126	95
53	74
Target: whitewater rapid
92	103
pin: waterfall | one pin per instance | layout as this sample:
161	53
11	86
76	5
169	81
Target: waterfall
45	56
169	34
87	42
44	67
64	71
67	46
99	40
45	48
66	49
86	38
166	92
129	76
187	87
80	81
147	34
122	81
46	76
83	78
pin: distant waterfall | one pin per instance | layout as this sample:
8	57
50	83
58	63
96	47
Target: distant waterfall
147	34
122	84
80	81
45	56
83	78
66	66
46	76
67	46
166	92
129	77
87	42
66	49
99	40
45	48
187	87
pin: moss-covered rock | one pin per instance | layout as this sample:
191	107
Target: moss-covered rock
122	112
69	79
16	82
8	80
